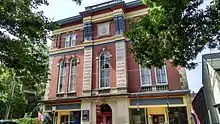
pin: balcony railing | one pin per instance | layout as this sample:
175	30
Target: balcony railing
109	91
155	88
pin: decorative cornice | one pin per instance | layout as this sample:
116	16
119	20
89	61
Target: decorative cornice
69	49
68	29
136	13
100	7
88	43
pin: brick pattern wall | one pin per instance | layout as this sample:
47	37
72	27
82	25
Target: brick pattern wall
123	69
54	73
97	50
173	75
58	40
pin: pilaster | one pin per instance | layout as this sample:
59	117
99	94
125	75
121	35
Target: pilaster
121	71
87	72
46	95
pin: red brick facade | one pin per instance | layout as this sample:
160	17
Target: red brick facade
133	74
54	72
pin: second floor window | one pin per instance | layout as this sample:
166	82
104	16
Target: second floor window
161	75
73	75
70	40
145	76
104	70
62	76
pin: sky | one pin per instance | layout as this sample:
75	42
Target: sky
60	9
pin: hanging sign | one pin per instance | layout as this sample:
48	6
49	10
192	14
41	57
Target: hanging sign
85	115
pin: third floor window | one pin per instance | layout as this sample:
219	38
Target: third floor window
70	40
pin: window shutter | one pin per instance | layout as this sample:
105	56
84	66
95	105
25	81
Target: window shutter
116	25
85	31
90	31
121	24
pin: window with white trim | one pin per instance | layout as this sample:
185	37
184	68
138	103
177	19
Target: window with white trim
62	76
70	40
73	39
73	75
145	76
104	70
161	76
67	40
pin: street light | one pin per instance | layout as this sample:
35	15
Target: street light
53	112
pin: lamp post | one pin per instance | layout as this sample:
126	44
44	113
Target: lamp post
53	113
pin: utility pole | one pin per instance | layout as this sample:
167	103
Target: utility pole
10	96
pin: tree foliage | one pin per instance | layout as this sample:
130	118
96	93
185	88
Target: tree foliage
175	30
18	99
24	53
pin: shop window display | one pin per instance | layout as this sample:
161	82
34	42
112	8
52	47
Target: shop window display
137	116
178	115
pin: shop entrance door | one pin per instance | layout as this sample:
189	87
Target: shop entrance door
103	114
64	119
105	118
158	119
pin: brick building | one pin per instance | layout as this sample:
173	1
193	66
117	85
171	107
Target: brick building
95	80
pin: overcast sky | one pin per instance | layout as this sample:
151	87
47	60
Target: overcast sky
60	9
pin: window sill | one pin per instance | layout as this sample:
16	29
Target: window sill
104	88
61	94
150	85
71	94
164	84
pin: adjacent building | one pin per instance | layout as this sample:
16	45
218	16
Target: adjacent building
94	78
211	84
200	108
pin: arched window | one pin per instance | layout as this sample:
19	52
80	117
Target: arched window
73	75
62	76
104	70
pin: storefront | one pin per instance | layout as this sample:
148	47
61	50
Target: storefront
159	111
64	113
105	110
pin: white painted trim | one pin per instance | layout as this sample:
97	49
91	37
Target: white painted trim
155	73
70	71
141	77
68	29
100	71
58	90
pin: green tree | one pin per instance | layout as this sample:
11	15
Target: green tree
24	53
18	97
175	30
